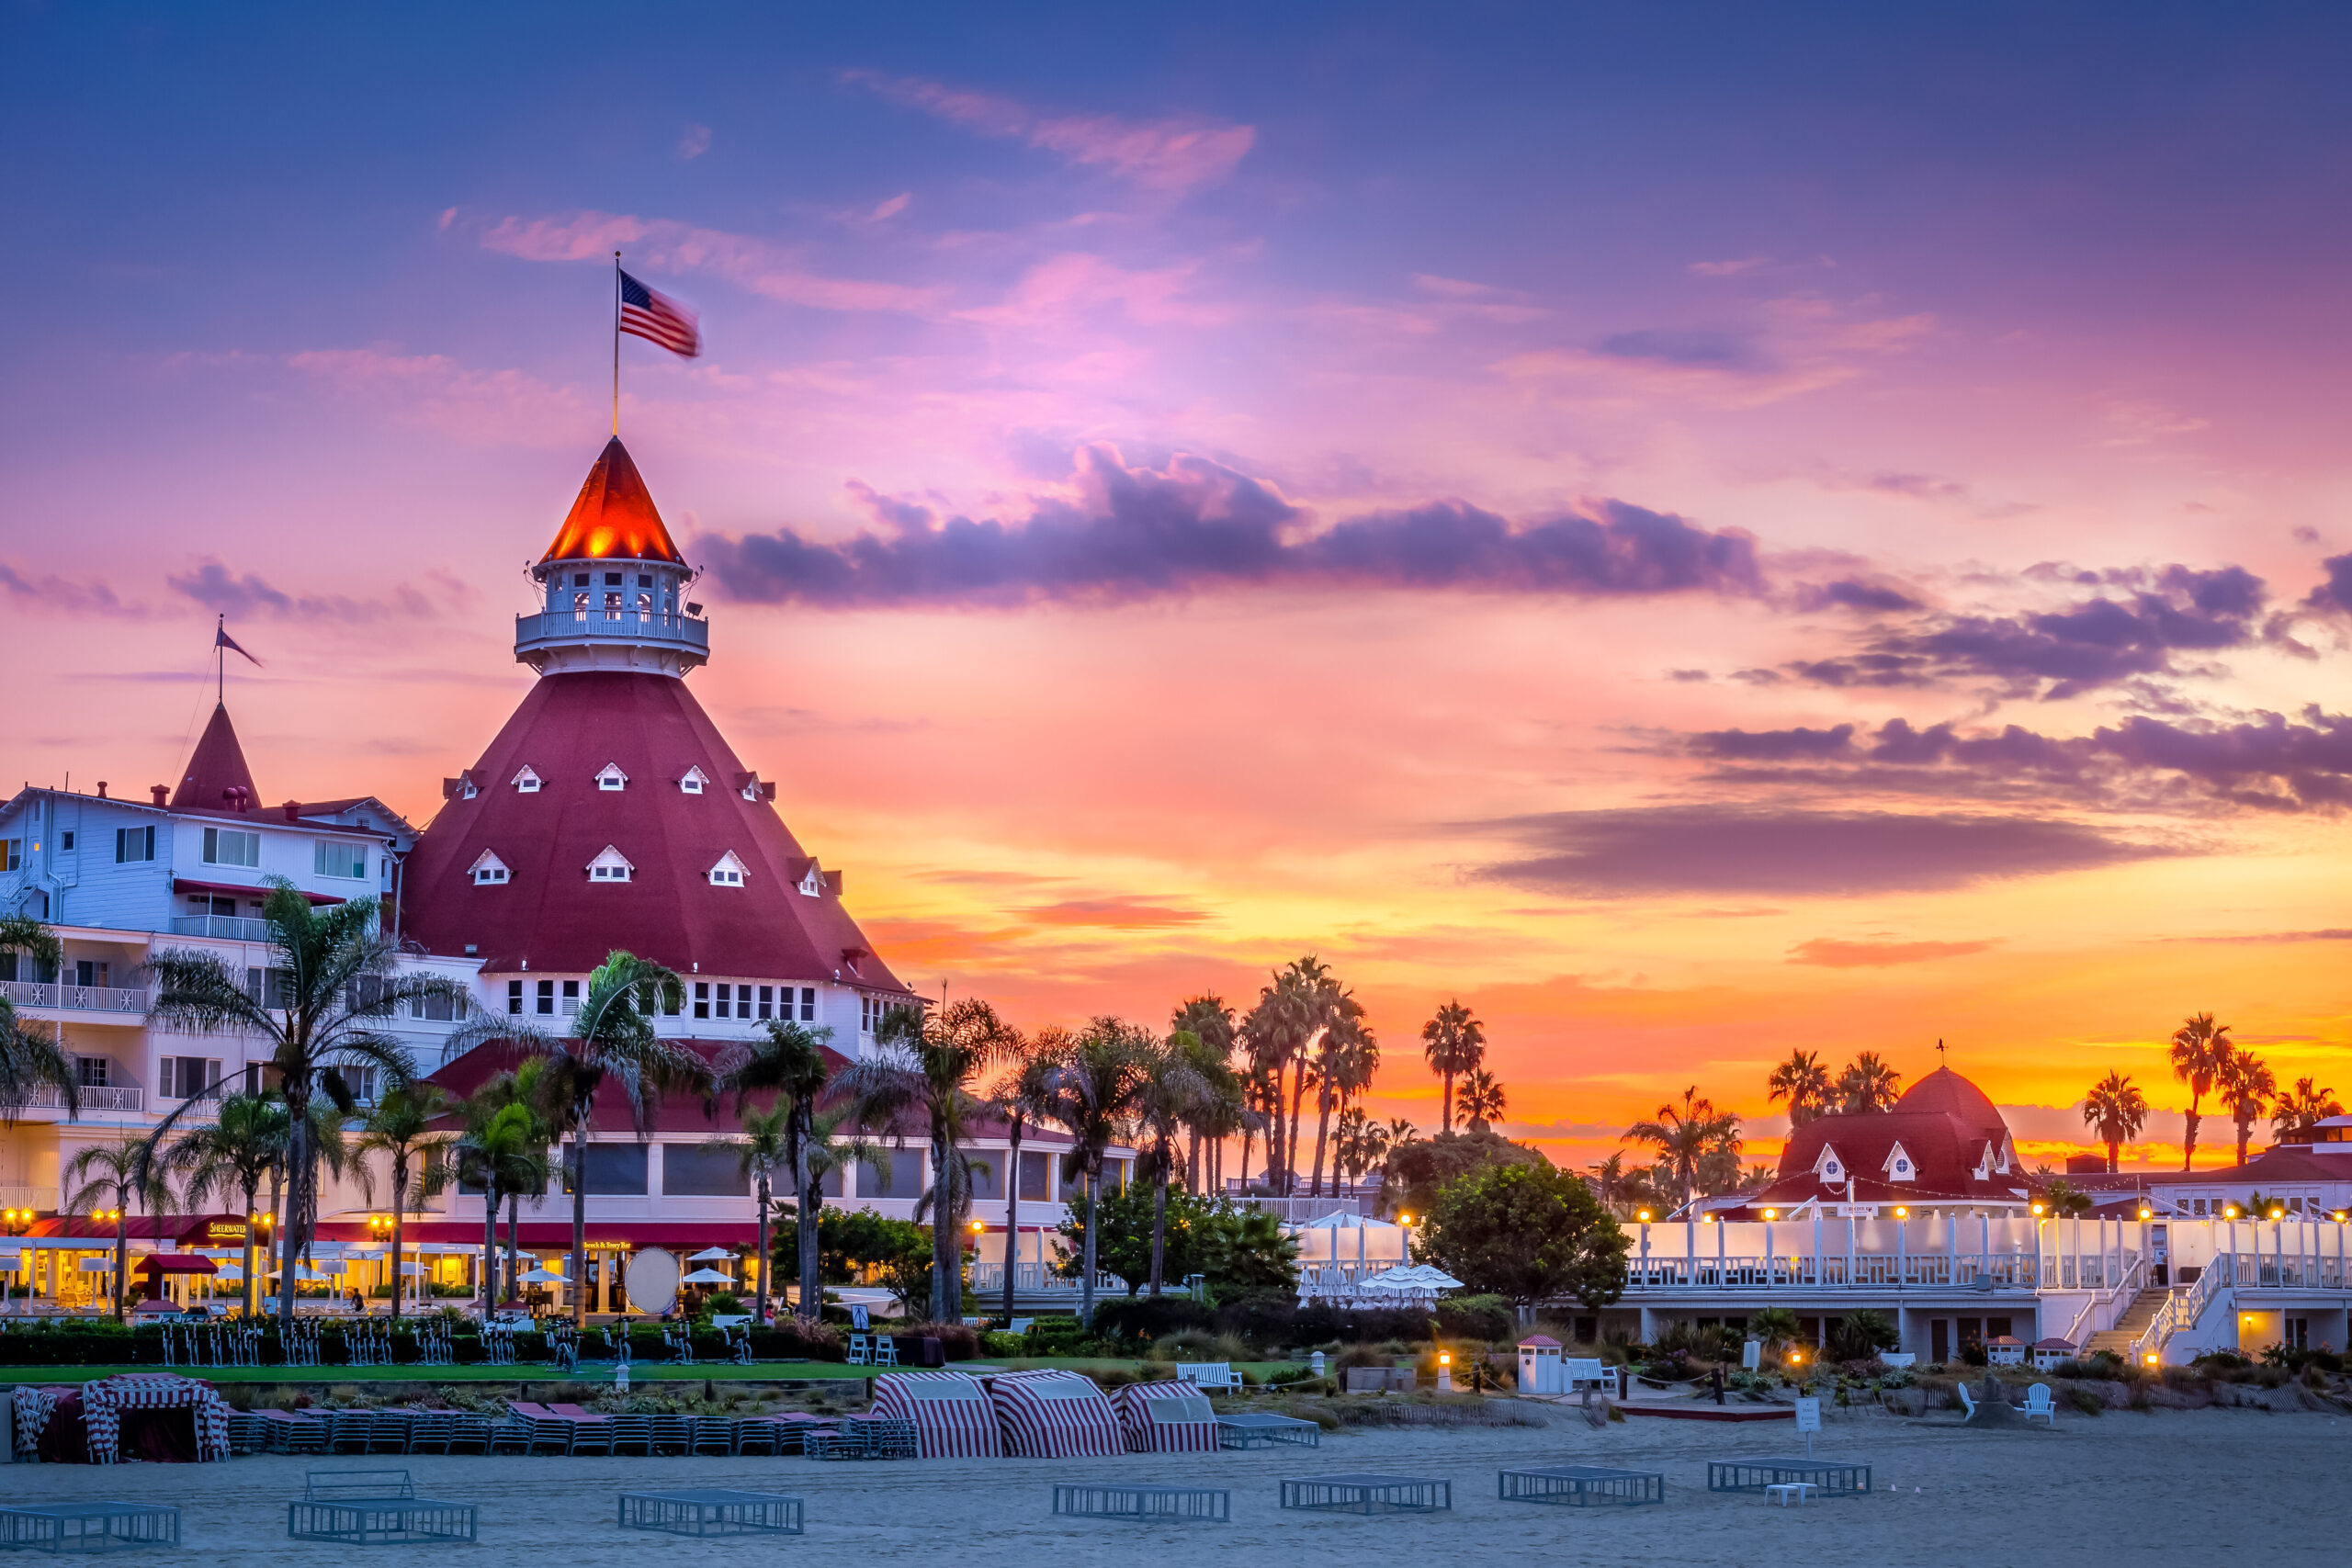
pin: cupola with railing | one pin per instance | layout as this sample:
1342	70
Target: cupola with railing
615	586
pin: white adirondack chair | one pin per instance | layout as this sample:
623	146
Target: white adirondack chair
2038	1402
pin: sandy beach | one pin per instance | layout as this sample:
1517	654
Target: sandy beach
2102	1491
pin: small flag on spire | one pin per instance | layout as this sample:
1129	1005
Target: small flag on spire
221	639
658	318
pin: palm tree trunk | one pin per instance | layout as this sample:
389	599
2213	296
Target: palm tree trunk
1322	1136
2112	1150
1297	1107
812	1292
1192	1161
576	1271
489	1249
760	1297
1011	1214
1086	1253
245	1296
1159	1217
2188	1143
1247	1134
297	1160
1446	1124
513	1246
399	1206
121	1253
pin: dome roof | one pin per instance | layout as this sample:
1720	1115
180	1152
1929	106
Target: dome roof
614	516
602	754
1946	1091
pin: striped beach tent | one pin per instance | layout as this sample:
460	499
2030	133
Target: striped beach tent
1167	1417
1054	1414
951	1413
105	1400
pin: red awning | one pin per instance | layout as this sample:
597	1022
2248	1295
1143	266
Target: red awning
181	885
175	1263
555	1236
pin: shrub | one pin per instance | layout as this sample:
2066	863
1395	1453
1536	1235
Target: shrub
1144	1318
1475	1317
2086	1402
996	1342
724	1305
958	1341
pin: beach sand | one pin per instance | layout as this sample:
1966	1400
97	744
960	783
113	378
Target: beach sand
2113	1489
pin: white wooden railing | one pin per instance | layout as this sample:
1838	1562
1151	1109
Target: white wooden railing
82	999
93	1097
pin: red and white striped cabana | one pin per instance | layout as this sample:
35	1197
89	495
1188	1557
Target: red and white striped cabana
104	1401
1167	1417
952	1416
1054	1414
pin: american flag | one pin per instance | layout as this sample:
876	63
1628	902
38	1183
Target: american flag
658	318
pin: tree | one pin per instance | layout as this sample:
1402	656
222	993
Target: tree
509	1126
234	1154
403	1125
1623	1193
1346	1056
31	1061
929	1064
1773	1327
1091	1090
1208	1020
764	1149
332	985
2115	1111
1690	1138
612	1042
786	1059
2064	1200
1419	1168
1359	1144
1527	1233
1483	1100
1167	1087
116	1178
2302	1108
1454	1043
2200	1054
1867	1084
2247	1085
1233	1249
1278	1033
1865	1332
1804	1083
1023	1096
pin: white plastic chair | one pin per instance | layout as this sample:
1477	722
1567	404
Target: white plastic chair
860	1350
2038	1402
1967	1403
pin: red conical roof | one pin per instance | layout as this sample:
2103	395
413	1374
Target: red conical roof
614	516
549	912
216	770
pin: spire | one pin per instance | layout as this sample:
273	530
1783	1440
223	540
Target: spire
615	516
217	778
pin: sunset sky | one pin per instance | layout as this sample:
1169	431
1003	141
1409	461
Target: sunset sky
1698	530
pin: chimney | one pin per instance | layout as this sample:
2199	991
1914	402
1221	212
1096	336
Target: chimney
293	809
102	789
163	793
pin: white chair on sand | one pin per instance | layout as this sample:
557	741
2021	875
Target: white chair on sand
2038	1402
1967	1403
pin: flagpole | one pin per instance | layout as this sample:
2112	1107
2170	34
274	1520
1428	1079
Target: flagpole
219	661
617	345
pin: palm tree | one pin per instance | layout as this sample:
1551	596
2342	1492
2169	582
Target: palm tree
1804	1083
1482	1101
332	985
1456	1043
766	1148
1346	1056
1401	1132
503	1150
612	1040
788	1059
234	1154
1209	1021
32	1062
2201	1050
1623	1193
2247	1086
2300	1109
1023	1097
116	1177
1689	1138
1278	1033
1869	1085
1359	1144
1167	1086
2116	1110
403	1124
1092	1088
928	1063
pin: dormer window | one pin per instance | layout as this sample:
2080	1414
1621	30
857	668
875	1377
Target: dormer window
610	866
1900	1166
526	782
489	871
612	777
728	872
465	790
812	882
751	788
695	780
1830	1168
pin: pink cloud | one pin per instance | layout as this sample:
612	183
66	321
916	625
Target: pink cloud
757	265
1172	156
478	407
1076	281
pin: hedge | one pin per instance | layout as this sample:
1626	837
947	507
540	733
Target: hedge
104	1345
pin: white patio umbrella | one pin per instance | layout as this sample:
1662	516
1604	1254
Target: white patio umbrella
538	1276
706	1276
711	1255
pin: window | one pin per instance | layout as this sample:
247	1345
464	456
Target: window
612	579
92	974
724	991
580	579
702	999
612	777
614	1170
227	846
466	788
1034	1179
865	1012
690	1172
526	782
65	843
812	882
133	844
274	990
514	998
185	1078
728	872
751	786
90	1072
610	866
808	1004
767	1001
12	854
490	871
547	998
983	1168
901	1178
571	998
437	1010
694	782
361	1081
339	857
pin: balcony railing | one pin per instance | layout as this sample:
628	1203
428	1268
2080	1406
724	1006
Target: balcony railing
573	625
93	1097
27	1197
1299	1211
229	928
83	998
1038	1277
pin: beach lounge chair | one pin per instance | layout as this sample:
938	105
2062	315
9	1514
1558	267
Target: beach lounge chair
672	1434
593	1436
2038	1402
631	1434
429	1432
552	1434
512	1436
469	1433
713	1435
389	1433
758	1436
349	1431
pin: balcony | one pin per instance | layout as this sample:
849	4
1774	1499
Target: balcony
687	634
95	1097
227	928
75	999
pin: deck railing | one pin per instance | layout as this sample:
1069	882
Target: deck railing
227	928
93	1097
1038	1278
83	998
